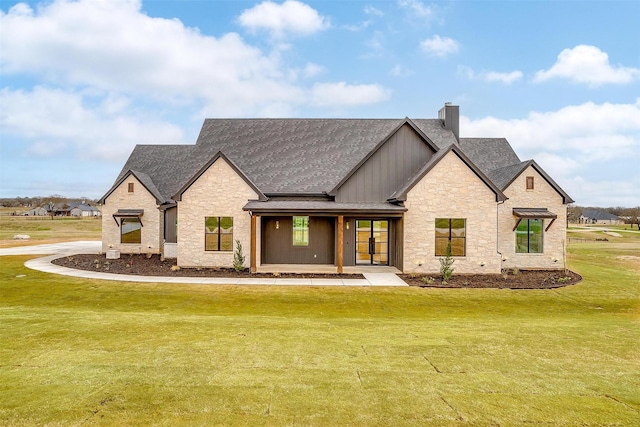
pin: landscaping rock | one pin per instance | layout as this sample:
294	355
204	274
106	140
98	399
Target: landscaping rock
21	237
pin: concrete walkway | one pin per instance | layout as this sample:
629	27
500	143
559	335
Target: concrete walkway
92	247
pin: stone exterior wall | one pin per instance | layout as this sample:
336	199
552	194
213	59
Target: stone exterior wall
219	191
542	196
152	219
451	190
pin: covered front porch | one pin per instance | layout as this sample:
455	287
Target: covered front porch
325	237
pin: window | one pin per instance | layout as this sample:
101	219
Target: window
130	187
130	230
451	231
218	233
529	183
300	231
529	236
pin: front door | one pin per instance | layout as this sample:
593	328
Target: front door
372	242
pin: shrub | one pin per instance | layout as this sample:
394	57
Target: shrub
446	265
428	280
238	257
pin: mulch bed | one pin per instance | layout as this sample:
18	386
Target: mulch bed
509	279
154	265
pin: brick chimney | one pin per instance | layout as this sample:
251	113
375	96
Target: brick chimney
450	116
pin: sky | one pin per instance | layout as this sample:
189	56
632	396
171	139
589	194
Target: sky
82	82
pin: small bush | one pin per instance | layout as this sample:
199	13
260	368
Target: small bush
446	265
428	280
238	257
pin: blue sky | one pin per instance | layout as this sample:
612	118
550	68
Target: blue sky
82	82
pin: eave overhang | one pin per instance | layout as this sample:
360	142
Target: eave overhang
128	213
323	208
534	213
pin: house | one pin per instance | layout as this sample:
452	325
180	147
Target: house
338	192
84	210
599	216
37	211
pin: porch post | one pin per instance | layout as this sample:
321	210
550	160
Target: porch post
253	243
340	243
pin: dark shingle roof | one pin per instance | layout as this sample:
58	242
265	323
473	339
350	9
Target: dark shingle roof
599	215
489	153
502	177
300	156
166	166
294	155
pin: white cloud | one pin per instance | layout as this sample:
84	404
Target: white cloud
587	64
290	17
370	10
491	76
417	8
506	78
399	70
112	46
440	46
312	70
342	94
106	131
604	193
599	142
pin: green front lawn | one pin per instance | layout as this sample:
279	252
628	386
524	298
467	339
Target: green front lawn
77	351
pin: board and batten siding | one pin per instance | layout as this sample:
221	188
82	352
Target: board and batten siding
387	169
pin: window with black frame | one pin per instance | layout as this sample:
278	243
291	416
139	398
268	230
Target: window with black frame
529	236
218	233
451	231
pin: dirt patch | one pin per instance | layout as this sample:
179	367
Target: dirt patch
509	279
154	265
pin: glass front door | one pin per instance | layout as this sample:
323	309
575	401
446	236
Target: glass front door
372	242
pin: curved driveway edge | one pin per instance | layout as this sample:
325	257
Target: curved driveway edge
90	247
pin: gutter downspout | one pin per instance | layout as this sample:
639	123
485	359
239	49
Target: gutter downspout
498	230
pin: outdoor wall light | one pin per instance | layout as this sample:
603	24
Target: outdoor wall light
482	264
347	223
277	225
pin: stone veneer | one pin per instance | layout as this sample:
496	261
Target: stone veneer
542	196
451	190
152	219
219	191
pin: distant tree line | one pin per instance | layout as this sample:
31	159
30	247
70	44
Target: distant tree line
32	202
628	215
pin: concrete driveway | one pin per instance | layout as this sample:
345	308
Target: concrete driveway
79	247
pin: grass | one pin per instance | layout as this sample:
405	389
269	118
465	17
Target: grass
47	230
102	353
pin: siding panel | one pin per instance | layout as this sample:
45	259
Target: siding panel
387	169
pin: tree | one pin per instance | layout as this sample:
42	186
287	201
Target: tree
574	213
633	216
